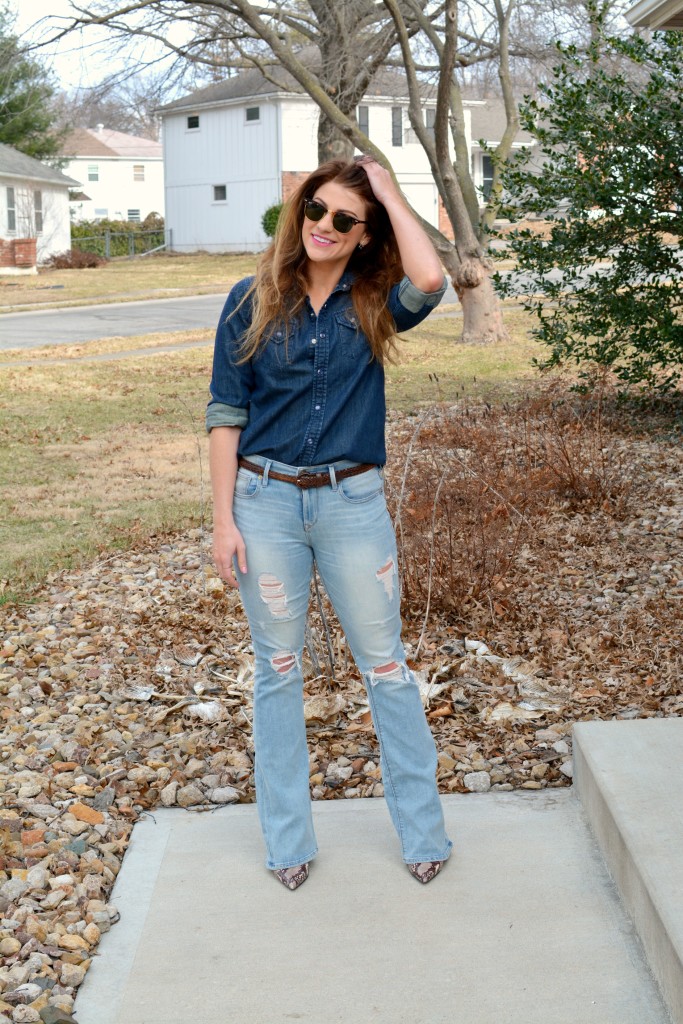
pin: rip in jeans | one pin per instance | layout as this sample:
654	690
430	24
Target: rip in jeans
273	595
392	672
284	662
386	574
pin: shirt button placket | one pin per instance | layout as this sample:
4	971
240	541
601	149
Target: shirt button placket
320	361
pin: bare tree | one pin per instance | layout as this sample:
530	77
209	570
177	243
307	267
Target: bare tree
127	105
332	50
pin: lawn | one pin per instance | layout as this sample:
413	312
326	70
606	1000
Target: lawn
98	455
156	276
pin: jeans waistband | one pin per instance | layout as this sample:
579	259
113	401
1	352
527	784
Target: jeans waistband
284	467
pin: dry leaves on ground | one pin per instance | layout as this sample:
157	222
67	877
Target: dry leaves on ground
529	605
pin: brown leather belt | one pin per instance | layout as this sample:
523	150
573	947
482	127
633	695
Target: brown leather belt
305	479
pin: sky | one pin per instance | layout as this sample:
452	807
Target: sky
80	60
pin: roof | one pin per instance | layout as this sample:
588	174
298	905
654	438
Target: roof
656	14
253	84
105	142
488	116
489	121
14	164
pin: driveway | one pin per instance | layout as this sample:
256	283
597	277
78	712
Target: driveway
79	324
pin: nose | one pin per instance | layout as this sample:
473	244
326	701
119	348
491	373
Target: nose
328	214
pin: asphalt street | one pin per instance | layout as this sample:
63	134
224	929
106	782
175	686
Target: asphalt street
78	324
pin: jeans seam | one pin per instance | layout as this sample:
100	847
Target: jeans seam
378	728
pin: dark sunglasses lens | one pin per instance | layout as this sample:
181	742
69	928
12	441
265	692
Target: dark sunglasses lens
342	222
314	211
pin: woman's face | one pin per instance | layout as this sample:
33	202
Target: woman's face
323	244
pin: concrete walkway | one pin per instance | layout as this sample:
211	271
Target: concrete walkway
524	924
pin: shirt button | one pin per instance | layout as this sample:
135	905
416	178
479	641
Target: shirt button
313	340
317	406
309	441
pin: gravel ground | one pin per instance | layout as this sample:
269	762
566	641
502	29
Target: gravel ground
127	685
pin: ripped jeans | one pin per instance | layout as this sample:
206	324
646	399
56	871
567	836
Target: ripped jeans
345	528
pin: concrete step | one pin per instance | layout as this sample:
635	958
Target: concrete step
629	776
523	926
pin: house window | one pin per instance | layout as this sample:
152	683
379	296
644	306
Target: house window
253	114
138	172
38	210
93	172
220	193
487	176
396	126
134	215
102	212
364	119
11	211
192	122
430	119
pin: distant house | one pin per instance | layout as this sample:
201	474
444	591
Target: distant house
239	146
122	175
488	125
235	148
34	211
657	14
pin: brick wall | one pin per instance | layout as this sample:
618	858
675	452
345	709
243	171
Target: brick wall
291	181
445	226
18	252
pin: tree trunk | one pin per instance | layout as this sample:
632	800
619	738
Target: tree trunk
482	314
481	308
332	145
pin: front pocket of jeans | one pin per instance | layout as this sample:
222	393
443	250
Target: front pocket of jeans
363	487
247	483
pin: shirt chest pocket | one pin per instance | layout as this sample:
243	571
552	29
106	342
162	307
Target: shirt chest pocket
352	345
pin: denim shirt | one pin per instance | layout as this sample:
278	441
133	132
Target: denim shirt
316	396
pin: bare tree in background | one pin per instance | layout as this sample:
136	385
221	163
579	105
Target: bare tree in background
125	106
332	51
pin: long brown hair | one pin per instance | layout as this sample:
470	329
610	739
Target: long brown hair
280	286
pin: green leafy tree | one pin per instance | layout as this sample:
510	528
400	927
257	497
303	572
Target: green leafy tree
27	115
608	175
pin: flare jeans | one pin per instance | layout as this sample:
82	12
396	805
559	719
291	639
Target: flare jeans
346	530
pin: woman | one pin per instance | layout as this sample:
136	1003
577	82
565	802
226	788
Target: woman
296	420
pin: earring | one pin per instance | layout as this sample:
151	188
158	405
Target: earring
359	246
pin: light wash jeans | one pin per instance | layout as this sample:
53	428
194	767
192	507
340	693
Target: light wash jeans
346	529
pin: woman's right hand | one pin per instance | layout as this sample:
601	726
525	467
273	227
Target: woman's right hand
228	544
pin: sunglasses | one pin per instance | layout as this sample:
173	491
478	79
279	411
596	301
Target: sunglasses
341	222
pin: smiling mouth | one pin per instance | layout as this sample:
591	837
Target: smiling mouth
322	241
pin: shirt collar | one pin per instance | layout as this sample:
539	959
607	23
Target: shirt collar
345	282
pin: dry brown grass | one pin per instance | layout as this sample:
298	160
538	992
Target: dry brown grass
164	274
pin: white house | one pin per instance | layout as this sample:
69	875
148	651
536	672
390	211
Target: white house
34	211
235	148
657	14
122	175
488	123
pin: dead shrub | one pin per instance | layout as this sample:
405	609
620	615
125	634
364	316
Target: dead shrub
471	485
75	259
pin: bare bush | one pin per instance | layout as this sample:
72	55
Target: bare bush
75	259
471	484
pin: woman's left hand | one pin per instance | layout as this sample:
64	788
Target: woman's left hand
381	182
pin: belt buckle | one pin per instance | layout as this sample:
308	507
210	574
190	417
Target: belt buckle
305	479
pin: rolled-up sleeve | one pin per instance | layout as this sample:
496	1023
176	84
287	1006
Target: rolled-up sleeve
409	305
231	383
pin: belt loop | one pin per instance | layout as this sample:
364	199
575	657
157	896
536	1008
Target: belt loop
333	478
266	471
